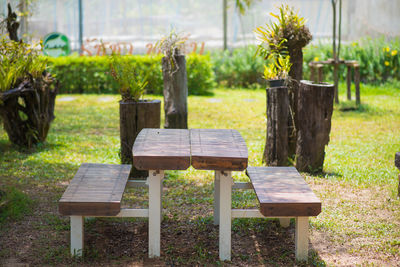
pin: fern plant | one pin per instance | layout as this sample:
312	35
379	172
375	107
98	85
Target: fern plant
132	82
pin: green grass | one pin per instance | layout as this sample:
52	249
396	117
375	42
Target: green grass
358	188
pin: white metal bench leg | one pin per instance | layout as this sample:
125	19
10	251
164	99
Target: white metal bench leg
284	222
225	219
216	197
301	238
155	191
77	234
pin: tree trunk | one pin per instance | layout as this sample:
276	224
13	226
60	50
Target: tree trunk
296	73
276	146
28	110
315	108
175	93
134	116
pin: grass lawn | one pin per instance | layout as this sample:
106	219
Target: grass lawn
359	223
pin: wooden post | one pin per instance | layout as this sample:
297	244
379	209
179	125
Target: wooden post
320	73
276	146
357	83
336	81
134	116
175	93
397	164
348	82
312	70
315	108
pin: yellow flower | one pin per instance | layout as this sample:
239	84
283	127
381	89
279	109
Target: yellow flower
316	59
394	52
387	49
387	63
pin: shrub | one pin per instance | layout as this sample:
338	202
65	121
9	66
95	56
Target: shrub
91	74
239	69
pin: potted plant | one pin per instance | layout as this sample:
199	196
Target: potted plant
287	36
135	113
277	72
27	90
175	80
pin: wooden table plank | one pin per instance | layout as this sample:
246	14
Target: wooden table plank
162	149
218	149
96	190
282	191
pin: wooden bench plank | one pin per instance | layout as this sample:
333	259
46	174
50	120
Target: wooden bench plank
162	149
282	191
96	190
218	149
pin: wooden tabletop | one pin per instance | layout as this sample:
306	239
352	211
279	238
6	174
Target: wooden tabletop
162	149
218	149
176	149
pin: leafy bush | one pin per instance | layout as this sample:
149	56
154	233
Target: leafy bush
239	69
91	74
379	59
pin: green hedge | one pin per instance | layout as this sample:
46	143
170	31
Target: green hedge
90	74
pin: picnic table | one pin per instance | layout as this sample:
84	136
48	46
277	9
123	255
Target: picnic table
221	150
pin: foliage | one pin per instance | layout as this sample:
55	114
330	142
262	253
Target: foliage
132	82
14	204
287	34
278	69
379	59
239	69
171	46
89	74
17	60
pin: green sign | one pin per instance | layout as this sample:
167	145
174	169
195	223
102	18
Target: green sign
55	45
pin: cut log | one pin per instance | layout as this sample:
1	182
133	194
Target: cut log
315	108
276	146
175	93
135	116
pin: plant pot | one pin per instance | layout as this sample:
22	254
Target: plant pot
276	83
134	116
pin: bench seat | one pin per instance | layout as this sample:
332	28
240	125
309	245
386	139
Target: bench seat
96	190
282	192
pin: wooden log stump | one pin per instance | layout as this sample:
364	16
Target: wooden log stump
276	146
134	116
397	164
315	108
348	80
175	93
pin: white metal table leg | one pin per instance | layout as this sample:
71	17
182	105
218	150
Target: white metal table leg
155	191
301	238
216	196
225	201
77	234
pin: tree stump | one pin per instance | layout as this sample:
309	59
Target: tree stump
28	110
276	146
397	164
315	108
134	116
175	93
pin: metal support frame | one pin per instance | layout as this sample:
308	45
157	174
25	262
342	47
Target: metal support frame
154	183
225	218
216	197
